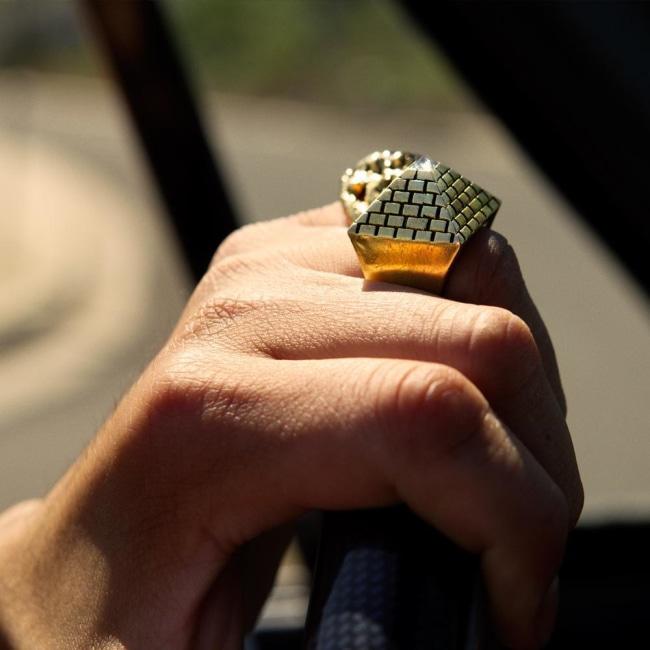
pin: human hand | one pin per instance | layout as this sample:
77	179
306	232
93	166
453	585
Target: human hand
284	366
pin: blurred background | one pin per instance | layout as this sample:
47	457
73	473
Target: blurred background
291	93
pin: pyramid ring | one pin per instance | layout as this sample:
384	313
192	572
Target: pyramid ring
410	216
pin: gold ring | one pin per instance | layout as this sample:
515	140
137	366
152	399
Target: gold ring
410	216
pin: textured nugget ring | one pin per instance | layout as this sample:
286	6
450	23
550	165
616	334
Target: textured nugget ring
410	216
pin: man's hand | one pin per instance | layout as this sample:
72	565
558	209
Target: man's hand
290	384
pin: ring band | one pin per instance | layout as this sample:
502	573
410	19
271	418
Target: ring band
410	216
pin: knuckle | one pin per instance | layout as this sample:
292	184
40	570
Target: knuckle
251	237
233	265
499	271
187	390
502	345
267	326
427	412
218	316
245	261
236	242
231	245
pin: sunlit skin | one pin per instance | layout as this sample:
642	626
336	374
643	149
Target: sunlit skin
285	364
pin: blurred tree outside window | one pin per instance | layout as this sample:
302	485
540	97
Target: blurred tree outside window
333	52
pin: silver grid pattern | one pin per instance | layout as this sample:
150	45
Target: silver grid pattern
428	202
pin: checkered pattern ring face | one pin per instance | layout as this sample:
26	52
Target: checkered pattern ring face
427	202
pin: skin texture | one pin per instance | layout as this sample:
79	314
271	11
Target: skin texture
285	364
